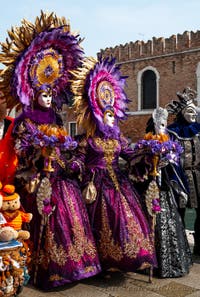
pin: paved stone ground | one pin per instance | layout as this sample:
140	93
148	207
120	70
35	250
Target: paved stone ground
129	285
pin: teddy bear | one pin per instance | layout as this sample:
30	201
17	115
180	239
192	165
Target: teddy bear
7	233
13	214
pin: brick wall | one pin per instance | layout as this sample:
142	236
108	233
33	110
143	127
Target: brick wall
175	59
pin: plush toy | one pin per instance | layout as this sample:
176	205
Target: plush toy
11	211
7	233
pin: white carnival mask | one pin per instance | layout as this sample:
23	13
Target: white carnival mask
160	116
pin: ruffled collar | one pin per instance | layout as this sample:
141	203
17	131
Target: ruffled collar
108	132
184	130
39	116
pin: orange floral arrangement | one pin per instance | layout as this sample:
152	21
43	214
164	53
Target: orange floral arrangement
160	137
53	130
52	136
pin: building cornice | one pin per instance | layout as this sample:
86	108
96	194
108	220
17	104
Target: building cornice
189	51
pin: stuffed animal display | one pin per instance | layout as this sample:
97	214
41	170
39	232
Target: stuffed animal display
14	254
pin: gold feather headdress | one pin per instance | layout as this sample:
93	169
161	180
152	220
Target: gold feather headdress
82	108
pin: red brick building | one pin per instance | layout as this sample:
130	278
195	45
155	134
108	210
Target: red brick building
156	70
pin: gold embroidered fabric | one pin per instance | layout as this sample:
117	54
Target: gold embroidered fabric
57	253
109	147
108	247
136	236
79	246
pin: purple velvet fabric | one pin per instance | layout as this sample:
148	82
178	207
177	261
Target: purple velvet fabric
67	250
123	235
39	115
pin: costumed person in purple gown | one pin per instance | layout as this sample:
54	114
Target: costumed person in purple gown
62	244
172	248
186	130
123	235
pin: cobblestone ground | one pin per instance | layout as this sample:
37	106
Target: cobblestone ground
129	285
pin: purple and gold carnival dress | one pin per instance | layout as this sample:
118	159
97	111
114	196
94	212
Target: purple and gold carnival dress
123	235
62	244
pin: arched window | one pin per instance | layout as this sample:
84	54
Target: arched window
148	98
148	89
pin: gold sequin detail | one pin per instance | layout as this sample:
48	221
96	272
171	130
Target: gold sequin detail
109	147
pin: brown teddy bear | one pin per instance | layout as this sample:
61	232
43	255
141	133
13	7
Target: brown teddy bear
12	212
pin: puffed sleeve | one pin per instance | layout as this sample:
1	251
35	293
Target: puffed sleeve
77	163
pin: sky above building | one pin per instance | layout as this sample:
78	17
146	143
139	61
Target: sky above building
108	23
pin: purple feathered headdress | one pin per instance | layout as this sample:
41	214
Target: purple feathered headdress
39	56
105	88
98	86
46	64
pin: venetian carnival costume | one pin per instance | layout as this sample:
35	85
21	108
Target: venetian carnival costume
63	248
187	132
123	235
172	248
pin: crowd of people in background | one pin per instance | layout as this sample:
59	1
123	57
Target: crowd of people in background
89	215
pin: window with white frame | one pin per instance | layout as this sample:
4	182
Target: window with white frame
148	88
72	129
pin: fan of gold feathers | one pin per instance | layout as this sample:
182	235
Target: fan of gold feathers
19	38
81	104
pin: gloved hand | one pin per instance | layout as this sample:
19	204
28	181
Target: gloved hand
74	167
